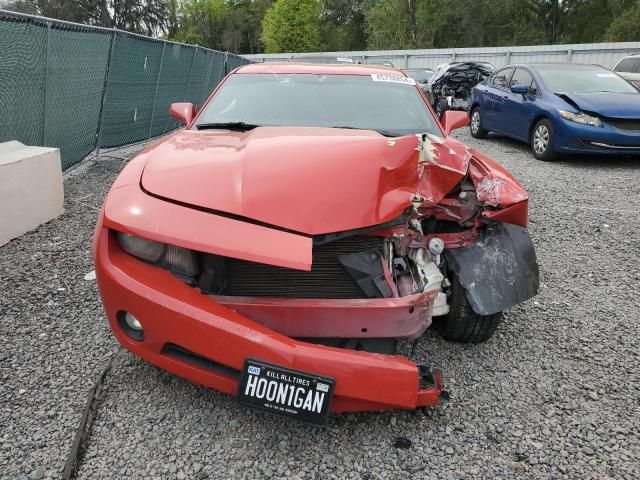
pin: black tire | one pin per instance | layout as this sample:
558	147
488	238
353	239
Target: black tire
477	128
542	138
462	324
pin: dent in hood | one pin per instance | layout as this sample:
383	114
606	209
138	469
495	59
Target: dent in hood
308	180
615	105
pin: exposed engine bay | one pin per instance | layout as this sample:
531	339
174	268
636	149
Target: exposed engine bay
450	87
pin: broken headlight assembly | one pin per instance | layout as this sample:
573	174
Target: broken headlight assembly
179	261
581	118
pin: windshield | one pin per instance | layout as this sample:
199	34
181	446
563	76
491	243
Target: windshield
306	100
420	75
584	80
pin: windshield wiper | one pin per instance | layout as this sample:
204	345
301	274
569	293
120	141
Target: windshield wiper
385	133
240	126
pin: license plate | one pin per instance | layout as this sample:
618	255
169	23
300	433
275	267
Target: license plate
290	393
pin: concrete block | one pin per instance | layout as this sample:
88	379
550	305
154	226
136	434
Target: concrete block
31	188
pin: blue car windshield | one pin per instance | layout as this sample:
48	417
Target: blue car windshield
584	81
363	102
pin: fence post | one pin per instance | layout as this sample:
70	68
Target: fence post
186	87
104	91
206	85
46	85
569	55
155	95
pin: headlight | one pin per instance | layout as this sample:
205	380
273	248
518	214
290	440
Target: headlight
144	249
581	118
178	260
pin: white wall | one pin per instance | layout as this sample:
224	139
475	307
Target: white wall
605	54
31	188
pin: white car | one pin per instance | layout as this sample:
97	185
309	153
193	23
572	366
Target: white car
629	68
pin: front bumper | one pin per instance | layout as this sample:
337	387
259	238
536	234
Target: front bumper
572	137
192	335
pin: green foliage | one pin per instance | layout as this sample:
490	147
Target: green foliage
253	26
342	25
398	24
292	26
624	28
387	25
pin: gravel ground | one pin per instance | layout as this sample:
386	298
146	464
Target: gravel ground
554	394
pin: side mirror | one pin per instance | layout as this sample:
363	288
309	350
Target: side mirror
453	119
183	111
520	89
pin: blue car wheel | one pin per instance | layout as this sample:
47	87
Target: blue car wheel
542	141
475	125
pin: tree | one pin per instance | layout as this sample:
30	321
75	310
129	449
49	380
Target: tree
292	26
202	22
624	28
139	16
342	25
398	24
387	25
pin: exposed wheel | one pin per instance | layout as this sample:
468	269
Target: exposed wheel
475	126
462	324
542	141
441	107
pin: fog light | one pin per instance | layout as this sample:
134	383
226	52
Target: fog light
130	325
132	322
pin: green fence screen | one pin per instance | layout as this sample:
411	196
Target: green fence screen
82	88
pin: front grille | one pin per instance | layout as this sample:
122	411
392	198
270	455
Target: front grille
624	124
327	278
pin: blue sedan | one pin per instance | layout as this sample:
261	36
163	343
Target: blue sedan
559	108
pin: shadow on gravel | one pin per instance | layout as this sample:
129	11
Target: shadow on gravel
602	162
578	161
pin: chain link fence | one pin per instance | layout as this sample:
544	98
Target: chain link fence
82	88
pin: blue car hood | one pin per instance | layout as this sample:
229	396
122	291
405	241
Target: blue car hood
616	105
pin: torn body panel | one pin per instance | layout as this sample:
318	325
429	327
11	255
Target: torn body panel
499	271
407	316
344	174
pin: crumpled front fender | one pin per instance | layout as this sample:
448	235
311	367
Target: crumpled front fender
499	271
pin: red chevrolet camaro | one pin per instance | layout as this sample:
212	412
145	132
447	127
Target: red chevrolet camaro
306	218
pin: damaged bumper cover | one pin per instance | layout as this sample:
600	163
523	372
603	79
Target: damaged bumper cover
192	335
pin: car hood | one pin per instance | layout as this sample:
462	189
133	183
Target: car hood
616	105
307	180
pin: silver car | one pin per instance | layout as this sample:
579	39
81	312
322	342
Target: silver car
629	68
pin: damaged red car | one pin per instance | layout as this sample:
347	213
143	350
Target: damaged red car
307	218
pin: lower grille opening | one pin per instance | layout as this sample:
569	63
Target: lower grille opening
386	346
187	356
327	279
631	124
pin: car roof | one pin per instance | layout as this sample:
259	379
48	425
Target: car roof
320	68
555	65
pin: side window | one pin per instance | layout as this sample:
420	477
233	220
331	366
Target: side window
627	65
521	77
533	89
501	78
